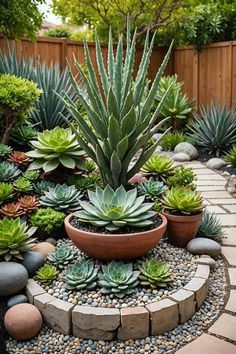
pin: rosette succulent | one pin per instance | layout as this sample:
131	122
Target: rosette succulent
22	185
8	171
18	158
11	210
183	177
46	273
62	198
118	278
114	209
6	191
15	238
5	150
55	147
28	203
159	166
62	255
81	275
230	157
31	175
154	273
42	186
151	189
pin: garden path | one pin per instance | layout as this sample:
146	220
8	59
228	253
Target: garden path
221	336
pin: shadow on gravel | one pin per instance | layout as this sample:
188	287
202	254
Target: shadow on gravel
3	333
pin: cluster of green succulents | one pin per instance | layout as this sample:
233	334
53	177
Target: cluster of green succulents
5	150
151	189
81	275
62	198
230	157
210	227
15	238
55	147
182	200
170	140
159	166
114	209
6	191
47	220
21	134
22	185
62	255
42	186
31	175
46	273
183	177
118	278
8	171
83	183
154	273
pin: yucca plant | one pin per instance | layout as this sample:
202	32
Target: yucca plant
82	275
8	171
183	200
62	198
47	273
114	209
5	150
183	177
159	166
170	140
15	238
43	186
55	147
62	255
215	128
119	120
11	210
118	278
230	157
18	158
154	273
6	191
10	63
151	189
210	227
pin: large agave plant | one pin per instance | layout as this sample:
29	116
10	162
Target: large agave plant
55	147
8	171
61	198
118	278
81	275
154	273
114	209
18	66
15	238
119	120
215	128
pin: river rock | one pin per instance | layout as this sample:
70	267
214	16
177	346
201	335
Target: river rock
201	245
17	299
23	321
188	149
13	278
215	163
181	156
44	248
52	241
32	262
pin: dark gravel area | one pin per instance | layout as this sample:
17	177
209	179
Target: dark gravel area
157	220
3	333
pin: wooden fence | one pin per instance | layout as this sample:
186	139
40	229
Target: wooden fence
209	74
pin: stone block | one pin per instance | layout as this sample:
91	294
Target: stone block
186	303
134	323
203	271
200	287
33	289
164	316
59	316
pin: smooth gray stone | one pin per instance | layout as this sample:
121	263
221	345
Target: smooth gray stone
181	156
201	245
215	163
13	278
17	299
32	262
188	149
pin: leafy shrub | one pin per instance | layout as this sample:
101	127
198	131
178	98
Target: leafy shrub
154	273
210	227
170	140
47	273
47	219
215	128
17	99
58	32
15	238
55	147
6	191
159	166
231	156
114	209
81	275
8	171
118	278
61	256
183	177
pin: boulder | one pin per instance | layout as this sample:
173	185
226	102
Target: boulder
32	262
17	299
215	163
181	156
13	278
23	321
201	245
44	248
51	240
188	149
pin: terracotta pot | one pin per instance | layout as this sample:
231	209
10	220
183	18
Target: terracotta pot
182	228
115	246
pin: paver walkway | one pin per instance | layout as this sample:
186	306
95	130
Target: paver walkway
221	336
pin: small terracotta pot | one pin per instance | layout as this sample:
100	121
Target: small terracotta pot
182	228
115	246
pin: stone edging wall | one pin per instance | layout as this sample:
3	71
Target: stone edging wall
131	322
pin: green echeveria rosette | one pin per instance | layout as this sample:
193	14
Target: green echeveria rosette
8	171
82	275
151	189
47	273
154	273
62	256
118	278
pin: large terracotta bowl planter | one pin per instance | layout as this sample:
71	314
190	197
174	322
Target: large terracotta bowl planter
115	246
182	228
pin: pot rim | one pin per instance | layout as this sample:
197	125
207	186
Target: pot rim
163	224
182	217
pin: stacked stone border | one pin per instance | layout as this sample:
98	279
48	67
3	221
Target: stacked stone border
131	322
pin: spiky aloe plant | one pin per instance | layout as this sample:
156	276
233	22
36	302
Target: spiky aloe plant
119	114
154	273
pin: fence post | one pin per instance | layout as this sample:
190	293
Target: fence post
63	53
231	74
196	78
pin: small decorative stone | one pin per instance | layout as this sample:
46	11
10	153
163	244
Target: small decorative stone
44	248
209	261
17	299
181	156
215	163
51	240
23	321
188	149
202	245
13	278
32	262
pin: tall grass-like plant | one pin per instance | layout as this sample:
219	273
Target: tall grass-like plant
120	123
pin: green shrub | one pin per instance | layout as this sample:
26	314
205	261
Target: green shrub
47	220
58	32
183	177
210	227
231	156
17	99
170	140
